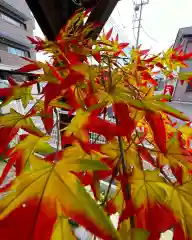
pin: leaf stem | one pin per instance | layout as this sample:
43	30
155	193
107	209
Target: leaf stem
58	135
114	174
127	186
122	157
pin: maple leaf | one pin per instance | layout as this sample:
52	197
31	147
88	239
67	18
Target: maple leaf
82	68
47	119
126	232
62	228
154	105
40	43
155	228
47	181
176	154
110	207
131	154
50	186
31	145
78	154
59	104
32	66
24	223
22	92
16	120
75	127
108	35
51	91
12	82
144	187
186	131
158	127
146	155
14	159
125	121
179	200
103	127
7	134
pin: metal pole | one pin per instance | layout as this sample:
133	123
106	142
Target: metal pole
139	24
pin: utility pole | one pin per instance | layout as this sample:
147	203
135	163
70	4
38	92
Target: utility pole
139	7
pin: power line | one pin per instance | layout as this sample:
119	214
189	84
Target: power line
123	26
155	40
133	27
118	29
120	17
133	22
135	19
134	34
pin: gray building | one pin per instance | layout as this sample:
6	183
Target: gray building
182	96
16	23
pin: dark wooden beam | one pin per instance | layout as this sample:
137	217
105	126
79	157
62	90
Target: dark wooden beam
100	14
51	15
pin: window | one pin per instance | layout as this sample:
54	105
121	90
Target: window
4	83
189	47
12	21
16	51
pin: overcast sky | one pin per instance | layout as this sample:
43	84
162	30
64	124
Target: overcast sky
161	21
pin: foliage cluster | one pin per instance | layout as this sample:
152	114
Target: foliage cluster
146	153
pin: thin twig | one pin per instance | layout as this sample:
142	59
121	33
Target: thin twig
38	101
114	174
127	186
58	135
122	157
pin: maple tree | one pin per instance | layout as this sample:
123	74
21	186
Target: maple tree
146	153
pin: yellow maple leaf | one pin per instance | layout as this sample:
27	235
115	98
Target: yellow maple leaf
62	228
23	93
132	234
179	200
186	131
131	154
57	182
17	120
144	187
76	124
176	155
19	92
31	145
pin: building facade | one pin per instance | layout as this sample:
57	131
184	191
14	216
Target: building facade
182	95
16	23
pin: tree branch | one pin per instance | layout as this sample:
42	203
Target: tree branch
122	156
